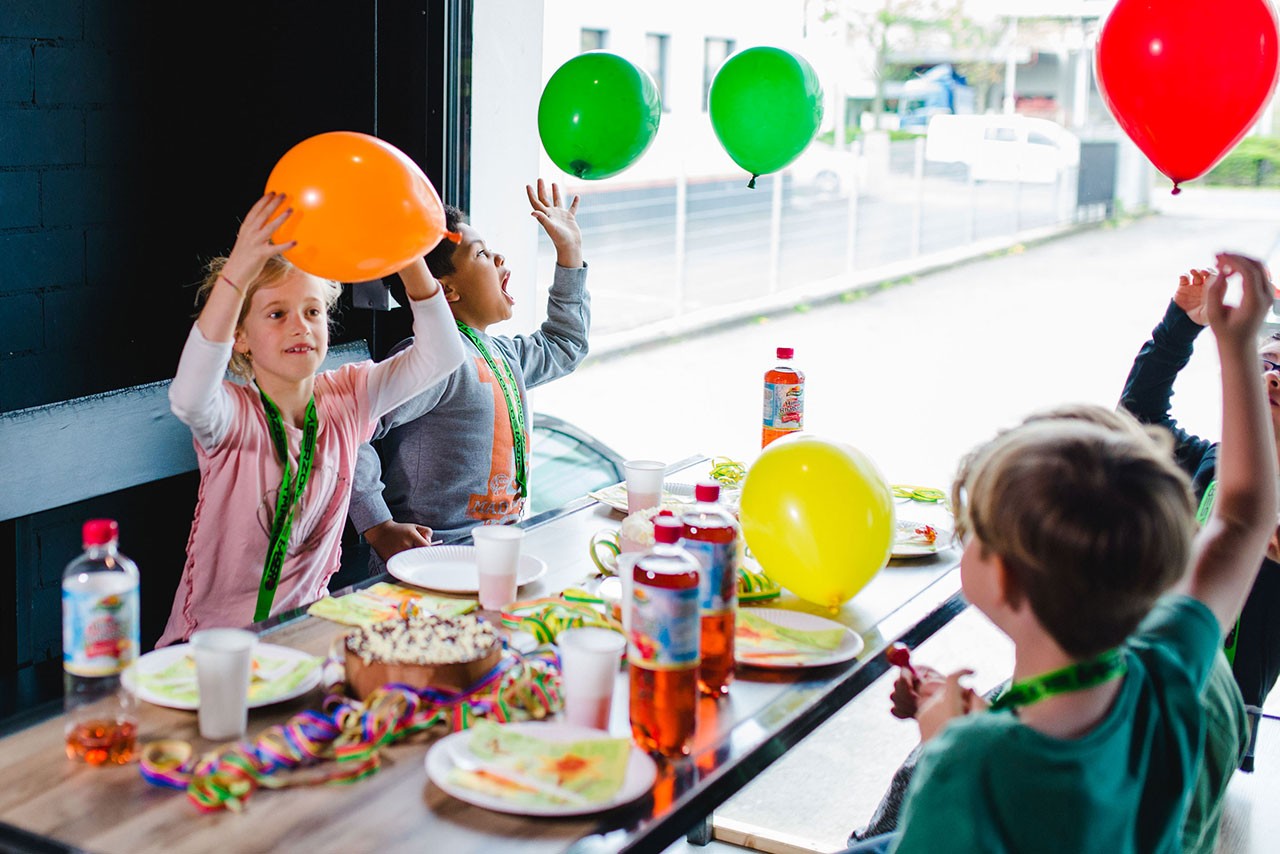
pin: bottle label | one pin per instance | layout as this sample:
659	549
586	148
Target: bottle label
718	580
784	406
99	626
665	628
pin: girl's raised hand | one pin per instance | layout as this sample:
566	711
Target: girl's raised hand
253	241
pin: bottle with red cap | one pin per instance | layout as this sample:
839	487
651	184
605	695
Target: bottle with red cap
100	638
783	398
663	644
712	535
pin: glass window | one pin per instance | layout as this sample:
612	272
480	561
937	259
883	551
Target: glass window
594	39
655	55
714	52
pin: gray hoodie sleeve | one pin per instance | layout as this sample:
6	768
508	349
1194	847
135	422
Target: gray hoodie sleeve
560	343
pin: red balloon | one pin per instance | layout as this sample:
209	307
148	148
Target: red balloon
1186	79
362	209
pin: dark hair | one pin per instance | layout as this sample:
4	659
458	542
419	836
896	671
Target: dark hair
440	259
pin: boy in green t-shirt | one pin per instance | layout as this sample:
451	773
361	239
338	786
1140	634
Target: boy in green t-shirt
1073	534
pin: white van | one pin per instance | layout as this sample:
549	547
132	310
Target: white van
1003	147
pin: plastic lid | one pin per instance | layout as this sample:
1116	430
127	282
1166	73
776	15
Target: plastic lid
786	352
666	529
707	491
99	532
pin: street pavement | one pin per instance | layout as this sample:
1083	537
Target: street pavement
915	374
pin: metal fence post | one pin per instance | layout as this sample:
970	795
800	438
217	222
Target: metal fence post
682	221
917	213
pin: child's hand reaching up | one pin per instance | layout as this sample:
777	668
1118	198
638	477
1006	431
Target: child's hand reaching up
559	222
1238	325
253	241
1189	295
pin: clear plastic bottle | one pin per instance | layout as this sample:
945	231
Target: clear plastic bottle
712	535
663	644
100	638
783	398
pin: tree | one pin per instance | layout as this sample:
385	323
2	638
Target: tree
884	26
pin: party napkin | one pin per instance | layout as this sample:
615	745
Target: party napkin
272	675
760	635
593	769
385	600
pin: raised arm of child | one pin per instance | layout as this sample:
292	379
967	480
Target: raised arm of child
253	246
435	353
1229	548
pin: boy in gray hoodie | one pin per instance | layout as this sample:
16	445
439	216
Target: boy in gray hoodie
457	455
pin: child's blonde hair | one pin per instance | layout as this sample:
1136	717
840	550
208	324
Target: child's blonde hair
274	271
1090	515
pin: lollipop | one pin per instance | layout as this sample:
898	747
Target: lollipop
900	656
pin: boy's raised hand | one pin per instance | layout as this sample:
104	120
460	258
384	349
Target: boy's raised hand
253	241
560	222
1238	324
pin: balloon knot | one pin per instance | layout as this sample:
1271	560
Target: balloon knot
453	236
1176	190
751	185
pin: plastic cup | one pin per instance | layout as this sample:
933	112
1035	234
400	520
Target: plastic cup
224	659
497	558
589	660
644	484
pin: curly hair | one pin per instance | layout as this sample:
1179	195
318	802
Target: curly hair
273	272
440	259
1089	514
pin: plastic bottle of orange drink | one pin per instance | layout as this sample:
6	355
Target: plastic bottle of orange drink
663	644
712	535
783	398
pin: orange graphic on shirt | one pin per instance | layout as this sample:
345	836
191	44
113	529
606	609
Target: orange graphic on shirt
499	504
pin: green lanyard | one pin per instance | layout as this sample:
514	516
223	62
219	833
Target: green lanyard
1202	516
291	489
511	393
1073	677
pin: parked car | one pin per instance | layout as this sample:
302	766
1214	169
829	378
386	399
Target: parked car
567	462
1003	147
823	170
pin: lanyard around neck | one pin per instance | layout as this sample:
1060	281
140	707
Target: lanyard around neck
1202	516
511	393
1073	677
291	489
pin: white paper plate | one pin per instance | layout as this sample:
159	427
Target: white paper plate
452	569
904	549
641	772
673	494
181	691
850	644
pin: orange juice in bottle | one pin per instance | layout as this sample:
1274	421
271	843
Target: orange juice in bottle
783	398
663	644
712	535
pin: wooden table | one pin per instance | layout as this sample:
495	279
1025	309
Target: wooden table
50	804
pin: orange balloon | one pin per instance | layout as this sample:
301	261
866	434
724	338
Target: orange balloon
362	209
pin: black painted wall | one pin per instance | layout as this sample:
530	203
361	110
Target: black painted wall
133	135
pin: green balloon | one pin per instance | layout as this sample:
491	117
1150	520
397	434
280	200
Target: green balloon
598	114
765	105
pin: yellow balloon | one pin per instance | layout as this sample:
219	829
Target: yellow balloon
818	515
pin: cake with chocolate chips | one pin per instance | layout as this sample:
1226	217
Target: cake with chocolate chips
420	651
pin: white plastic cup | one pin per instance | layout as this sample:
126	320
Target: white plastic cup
497	559
224	659
644	484
590	657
